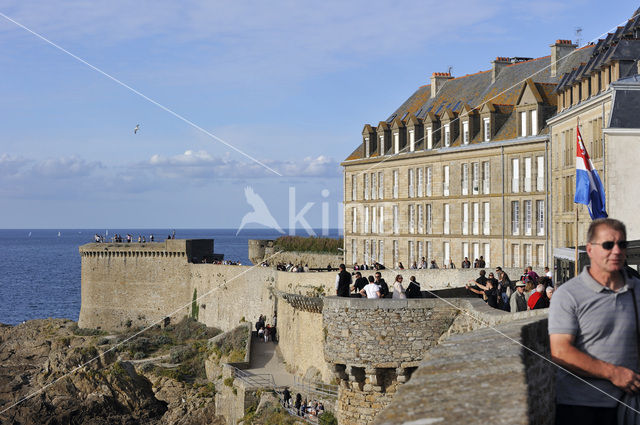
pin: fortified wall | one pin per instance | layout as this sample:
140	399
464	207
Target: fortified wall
374	348
263	250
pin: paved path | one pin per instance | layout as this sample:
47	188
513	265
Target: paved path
264	359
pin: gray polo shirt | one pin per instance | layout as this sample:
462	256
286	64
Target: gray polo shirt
603	324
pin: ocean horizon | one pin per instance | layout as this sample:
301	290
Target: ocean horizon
40	268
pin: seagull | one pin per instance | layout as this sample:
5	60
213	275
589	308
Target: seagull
135	130
260	213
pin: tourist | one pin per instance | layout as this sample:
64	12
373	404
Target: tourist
413	290
360	283
506	276
151	238
371	290
343	282
518	301
414	266
505	290
384	288
538	299
355	266
529	287
400	266
451	265
320	409
423	263
398	289
532	275
286	398
593	331
548	274
476	263
478	284
433	265
466	264
481	263
488	292
298	403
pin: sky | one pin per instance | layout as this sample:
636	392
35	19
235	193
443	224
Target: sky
270	96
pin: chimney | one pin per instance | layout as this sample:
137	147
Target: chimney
437	81
497	65
559	50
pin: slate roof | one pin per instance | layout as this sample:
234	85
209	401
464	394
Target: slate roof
477	89
626	108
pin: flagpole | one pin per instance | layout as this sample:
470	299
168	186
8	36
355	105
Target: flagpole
575	267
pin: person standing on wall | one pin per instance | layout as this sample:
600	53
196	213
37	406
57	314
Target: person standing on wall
593	331
343	282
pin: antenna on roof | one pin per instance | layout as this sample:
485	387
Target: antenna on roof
578	32
450	69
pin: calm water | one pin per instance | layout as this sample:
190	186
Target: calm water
40	268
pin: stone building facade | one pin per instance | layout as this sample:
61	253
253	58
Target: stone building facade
601	95
459	170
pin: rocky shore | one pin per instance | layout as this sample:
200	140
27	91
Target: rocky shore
155	378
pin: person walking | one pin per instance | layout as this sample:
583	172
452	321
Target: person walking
398	289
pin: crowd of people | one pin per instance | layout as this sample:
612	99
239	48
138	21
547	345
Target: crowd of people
529	292
128	238
303	408
374	286
267	331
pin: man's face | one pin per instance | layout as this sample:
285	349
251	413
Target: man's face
603	260
520	289
378	276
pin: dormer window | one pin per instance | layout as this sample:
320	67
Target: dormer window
412	140
396	143
429	138
523	124
447	135
367	147
534	122
465	132
382	152
486	125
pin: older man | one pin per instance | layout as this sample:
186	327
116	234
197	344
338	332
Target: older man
592	331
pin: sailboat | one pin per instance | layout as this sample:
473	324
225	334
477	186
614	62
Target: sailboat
59	234
29	235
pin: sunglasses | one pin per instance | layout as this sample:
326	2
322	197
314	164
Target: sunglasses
608	245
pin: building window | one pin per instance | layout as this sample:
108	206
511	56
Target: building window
446	219
485	178
365	254
476	218
381	251
486	227
429	219
381	222
395	184
412	219
396	224
380	185
476	251
447	253
420	218
420	250
395	253
523	124
540	179
365	227
354	217
515	175
374	219
515	255
420	182
465	250
412	140
527	174
447	135
515	218
353	187
476	177
382	152
486	124
429	138
367	148
411	182
487	254
412	254
534	122
354	251
465	218
540	217
396	143
540	255
528	255
374	186
366	186
527	218
372	257
428	181
429	250
465	179
465	132
445	184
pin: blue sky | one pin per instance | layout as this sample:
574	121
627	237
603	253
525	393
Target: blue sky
288	83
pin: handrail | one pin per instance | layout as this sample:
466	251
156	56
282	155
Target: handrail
260	380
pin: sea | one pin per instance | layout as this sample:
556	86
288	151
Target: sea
40	268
